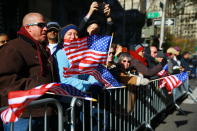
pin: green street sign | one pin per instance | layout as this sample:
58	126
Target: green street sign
152	15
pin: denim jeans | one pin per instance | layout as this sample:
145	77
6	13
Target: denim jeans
23	124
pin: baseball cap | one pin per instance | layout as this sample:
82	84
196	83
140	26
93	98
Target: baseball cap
53	25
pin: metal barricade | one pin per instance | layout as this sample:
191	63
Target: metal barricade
124	109
44	102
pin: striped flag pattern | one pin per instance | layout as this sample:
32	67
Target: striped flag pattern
173	81
164	71
86	56
18	100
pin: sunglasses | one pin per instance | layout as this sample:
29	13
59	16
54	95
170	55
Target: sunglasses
126	61
41	25
52	30
113	53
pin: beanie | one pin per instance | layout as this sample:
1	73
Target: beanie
171	50
139	48
66	28
177	48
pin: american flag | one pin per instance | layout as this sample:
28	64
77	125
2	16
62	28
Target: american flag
106	76
86	56
164	71
18	100
173	81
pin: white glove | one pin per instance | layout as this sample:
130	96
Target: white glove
142	81
141	75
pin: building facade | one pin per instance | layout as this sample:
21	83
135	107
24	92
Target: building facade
186	22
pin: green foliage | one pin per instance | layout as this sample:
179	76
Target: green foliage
183	43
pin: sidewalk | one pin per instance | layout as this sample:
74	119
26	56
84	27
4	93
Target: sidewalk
179	122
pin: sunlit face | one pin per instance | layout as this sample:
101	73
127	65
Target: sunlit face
52	34
172	56
111	55
141	53
3	39
118	49
93	29
126	63
153	51
71	34
187	56
37	29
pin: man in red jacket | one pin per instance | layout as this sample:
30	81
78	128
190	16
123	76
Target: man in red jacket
25	64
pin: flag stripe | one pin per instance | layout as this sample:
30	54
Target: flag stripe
76	42
164	71
73	47
18	100
86	54
92	58
173	81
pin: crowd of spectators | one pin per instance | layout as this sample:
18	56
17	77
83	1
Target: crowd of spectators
26	61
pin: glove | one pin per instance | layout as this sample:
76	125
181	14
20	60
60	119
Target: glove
132	81
141	75
142	81
164	62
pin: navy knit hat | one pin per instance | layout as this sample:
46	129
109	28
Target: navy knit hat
66	28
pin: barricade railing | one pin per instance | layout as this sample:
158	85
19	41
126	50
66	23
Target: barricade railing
125	109
122	109
44	102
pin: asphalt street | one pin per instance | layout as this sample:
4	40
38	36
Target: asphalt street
177	121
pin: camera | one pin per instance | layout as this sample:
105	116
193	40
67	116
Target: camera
101	7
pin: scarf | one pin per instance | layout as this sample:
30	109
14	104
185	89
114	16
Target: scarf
23	32
138	57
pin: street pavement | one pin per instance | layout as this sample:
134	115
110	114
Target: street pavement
176	121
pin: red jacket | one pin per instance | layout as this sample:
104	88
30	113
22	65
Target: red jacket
138	57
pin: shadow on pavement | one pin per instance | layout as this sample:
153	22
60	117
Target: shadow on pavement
181	123
185	113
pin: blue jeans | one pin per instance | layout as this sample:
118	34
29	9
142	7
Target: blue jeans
23	124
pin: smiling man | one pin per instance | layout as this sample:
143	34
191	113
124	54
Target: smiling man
25	65
52	36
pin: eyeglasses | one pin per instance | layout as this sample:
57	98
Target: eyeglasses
4	41
41	25
126	61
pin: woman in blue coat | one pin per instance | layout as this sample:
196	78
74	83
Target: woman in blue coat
81	82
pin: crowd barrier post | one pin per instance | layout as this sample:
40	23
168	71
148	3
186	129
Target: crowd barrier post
42	102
